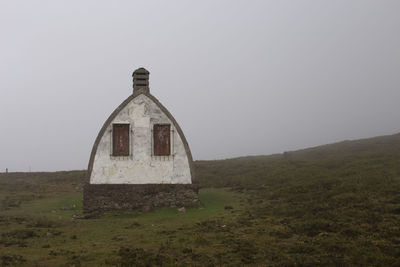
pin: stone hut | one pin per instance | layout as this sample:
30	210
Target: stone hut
140	158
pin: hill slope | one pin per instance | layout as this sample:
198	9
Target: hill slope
378	157
333	204
337	204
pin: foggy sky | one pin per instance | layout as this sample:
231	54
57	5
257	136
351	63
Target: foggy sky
240	77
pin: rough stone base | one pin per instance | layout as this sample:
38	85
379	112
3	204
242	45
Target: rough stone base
106	197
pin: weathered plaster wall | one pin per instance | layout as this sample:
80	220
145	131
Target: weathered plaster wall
141	167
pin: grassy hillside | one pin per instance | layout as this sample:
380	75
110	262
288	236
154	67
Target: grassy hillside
336	204
333	204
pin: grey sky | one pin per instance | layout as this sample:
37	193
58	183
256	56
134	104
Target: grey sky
241	77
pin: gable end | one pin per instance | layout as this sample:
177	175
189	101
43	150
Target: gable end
117	111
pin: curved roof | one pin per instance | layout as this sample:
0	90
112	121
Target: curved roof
115	113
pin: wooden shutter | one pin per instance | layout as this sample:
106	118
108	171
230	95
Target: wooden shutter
120	139
162	145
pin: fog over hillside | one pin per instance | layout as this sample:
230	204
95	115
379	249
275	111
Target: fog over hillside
240	78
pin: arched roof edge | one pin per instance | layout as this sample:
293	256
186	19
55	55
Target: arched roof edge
115	113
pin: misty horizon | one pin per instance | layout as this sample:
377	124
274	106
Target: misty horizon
240	79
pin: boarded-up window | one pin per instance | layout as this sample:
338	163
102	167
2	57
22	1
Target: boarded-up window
120	139
162	144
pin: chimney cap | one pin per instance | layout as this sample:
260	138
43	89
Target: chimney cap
140	71
140	80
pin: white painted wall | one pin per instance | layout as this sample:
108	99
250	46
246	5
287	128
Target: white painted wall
141	167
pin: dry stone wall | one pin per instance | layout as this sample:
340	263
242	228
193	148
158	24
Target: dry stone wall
107	197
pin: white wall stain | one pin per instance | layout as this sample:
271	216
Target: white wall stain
141	167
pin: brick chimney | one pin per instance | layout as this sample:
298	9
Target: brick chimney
140	80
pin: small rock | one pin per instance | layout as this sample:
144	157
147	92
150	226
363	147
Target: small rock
228	207
68	207
49	234
182	209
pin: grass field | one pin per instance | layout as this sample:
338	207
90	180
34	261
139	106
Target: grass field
334	205
51	230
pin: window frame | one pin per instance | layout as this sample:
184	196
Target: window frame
171	140
112	154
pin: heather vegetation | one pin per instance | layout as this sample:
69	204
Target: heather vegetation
333	205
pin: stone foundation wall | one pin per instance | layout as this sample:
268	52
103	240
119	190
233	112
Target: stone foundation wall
106	197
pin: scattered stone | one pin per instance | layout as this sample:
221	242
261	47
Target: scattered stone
182	209
53	234
71	207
